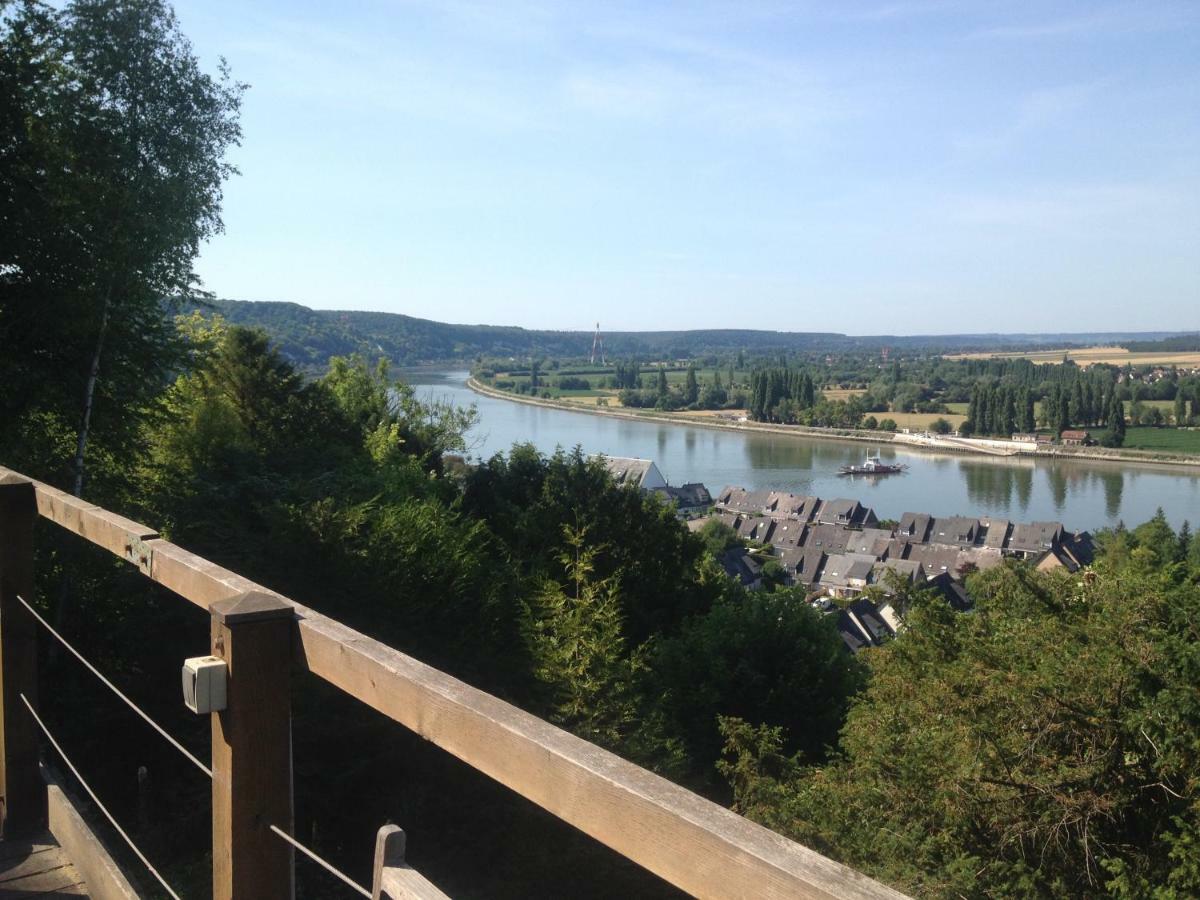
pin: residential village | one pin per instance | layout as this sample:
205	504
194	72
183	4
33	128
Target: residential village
848	560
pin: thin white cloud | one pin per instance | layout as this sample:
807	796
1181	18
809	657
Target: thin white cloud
1112	20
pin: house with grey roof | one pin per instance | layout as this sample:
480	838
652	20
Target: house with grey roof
792	506
909	570
846	513
860	625
874	541
994	533
689	498
915	526
935	558
788	533
740	500
846	574
633	471
1034	539
828	538
959	530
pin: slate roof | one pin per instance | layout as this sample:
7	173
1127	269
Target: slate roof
830	538
870	540
915	526
688	496
935	558
788	533
996	533
842	511
791	506
959	530
910	569
860	625
743	501
627	469
1036	537
741	565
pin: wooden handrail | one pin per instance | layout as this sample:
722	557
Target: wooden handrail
692	843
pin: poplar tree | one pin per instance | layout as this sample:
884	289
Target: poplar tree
1116	421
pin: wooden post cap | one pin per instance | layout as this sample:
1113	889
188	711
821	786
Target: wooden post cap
252	606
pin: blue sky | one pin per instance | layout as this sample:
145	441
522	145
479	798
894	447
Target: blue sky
908	167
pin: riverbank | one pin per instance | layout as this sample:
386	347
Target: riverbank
930	444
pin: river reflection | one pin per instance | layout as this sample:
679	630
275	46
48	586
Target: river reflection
1081	494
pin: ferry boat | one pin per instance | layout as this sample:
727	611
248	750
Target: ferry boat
873	466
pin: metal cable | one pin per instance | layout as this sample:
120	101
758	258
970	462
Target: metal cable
112	687
320	862
121	831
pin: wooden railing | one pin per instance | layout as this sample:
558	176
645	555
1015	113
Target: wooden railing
694	844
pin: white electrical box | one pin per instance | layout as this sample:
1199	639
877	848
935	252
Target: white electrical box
204	684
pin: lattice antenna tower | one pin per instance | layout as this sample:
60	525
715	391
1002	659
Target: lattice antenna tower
598	348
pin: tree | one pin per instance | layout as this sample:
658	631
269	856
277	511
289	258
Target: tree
766	657
115	157
1116	421
578	648
691	388
1042	746
940	426
662	382
1181	415
718	537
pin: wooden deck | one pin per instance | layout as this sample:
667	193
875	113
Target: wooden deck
37	868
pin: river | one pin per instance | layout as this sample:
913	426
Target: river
1081	494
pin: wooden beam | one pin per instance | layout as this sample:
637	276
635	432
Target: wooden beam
91	859
22	794
252	751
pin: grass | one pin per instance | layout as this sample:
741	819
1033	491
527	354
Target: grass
1167	440
919	421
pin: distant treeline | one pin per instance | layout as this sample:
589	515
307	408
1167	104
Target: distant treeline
310	337
1183	343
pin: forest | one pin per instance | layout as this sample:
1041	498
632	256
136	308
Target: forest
309	337
1044	745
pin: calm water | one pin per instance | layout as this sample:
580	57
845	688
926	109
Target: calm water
1082	495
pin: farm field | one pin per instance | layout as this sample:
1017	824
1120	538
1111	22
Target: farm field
1170	440
1086	356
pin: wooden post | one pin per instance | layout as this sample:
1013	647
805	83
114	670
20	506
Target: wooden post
252	750
395	879
22	791
390	844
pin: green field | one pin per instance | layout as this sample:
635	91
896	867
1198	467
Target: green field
1167	440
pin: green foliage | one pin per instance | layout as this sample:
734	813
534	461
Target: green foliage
1042	746
579	652
527	497
765	657
718	537
112	145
